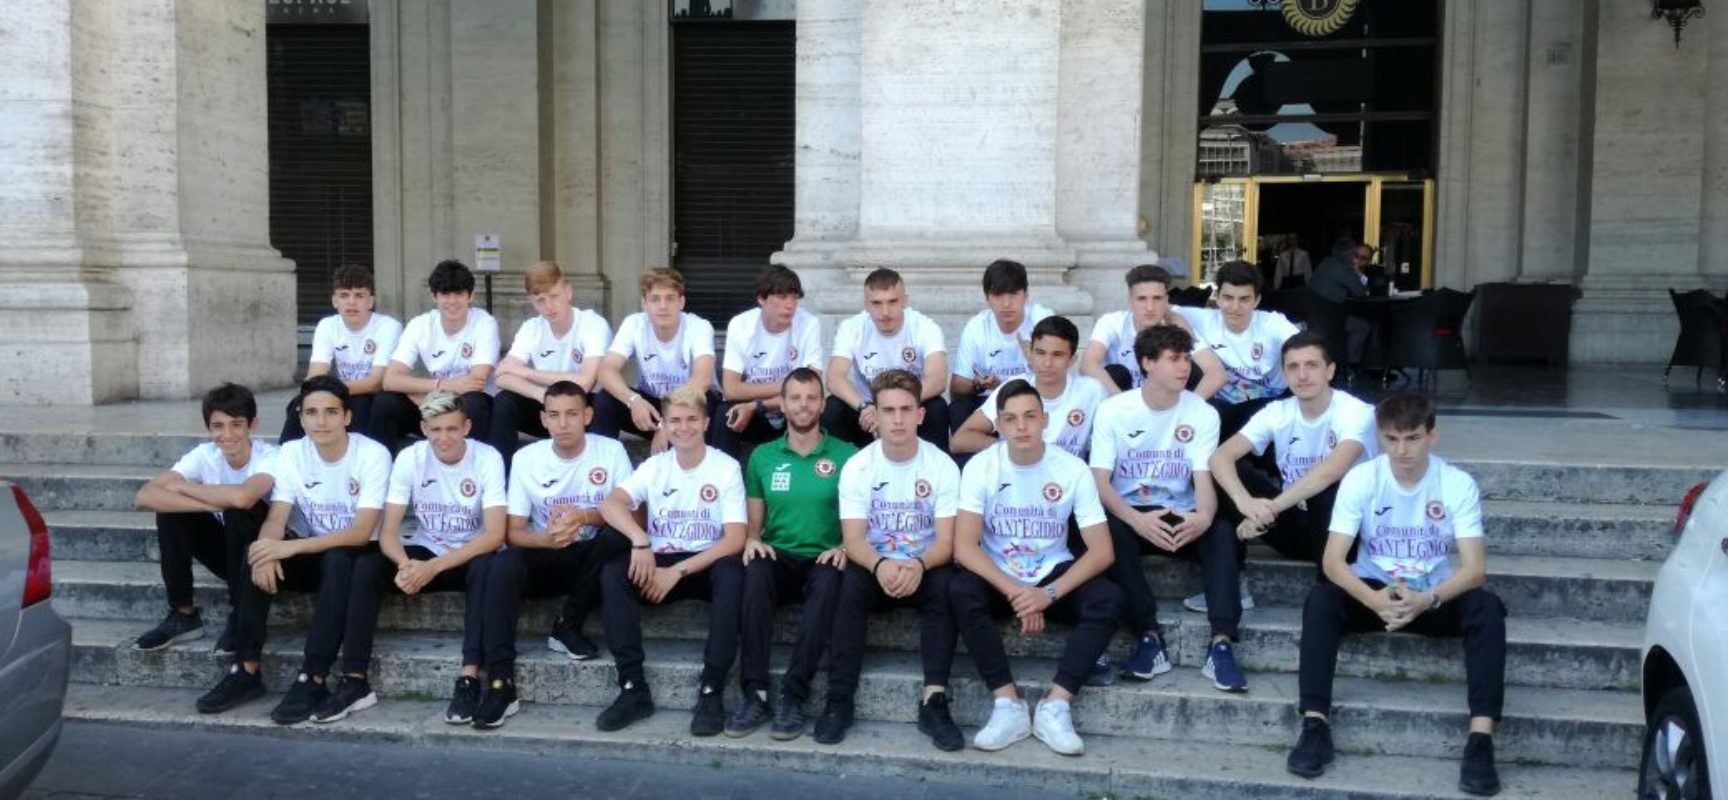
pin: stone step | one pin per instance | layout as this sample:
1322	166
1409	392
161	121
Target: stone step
81	487
1583	483
159	450
1112	767
1547	726
1515	528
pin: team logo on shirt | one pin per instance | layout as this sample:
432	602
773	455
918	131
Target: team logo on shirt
1184	433
1331	439
353	487
792	354
1076	418
1436	510
597	476
922	488
468	488
1258	351
709	493
370	347
467	350
908	355
1052	492
825	467
576	356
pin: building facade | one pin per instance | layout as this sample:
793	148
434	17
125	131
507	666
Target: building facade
183	174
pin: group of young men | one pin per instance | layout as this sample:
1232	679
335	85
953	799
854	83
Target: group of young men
1032	494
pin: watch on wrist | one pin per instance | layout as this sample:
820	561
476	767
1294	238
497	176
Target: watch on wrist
1434	605
1050	592
863	404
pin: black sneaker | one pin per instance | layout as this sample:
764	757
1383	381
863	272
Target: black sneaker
497	704
633	704
709	716
303	697
788	719
176	627
831	726
568	639
936	722
751	715
1477	774
1313	749
352	694
238	686
464	699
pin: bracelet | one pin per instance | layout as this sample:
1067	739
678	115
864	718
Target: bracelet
877	567
679	568
632	401
643	546
865	404
921	566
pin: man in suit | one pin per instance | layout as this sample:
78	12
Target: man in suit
1341	278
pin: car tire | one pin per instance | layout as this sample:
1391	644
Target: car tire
1673	766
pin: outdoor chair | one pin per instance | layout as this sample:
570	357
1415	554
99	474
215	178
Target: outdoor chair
1703	331
1426	334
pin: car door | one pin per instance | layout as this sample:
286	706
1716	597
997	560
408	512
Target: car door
1708	639
14	564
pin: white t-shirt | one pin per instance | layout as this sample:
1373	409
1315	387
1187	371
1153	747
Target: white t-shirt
1301	443
1153	455
1115	331
326	495
540	481
206	465
1026	509
900	501
352	355
762	357
663	366
448	500
873	353
1071	413
985	351
1406	534
536	345
446	356
687	509
1251	358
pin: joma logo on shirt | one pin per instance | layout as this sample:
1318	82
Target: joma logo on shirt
438	354
869	355
428	482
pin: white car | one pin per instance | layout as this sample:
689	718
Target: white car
1686	656
35	645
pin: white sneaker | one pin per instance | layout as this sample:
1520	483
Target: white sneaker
1053	724
1009	723
1197	602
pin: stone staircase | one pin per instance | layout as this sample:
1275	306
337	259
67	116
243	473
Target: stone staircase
1573	551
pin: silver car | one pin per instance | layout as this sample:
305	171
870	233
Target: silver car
35	645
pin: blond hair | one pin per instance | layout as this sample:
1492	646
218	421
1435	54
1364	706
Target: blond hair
687	396
661	276
543	277
439	402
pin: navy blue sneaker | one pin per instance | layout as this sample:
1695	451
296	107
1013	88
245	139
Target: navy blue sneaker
1103	672
1221	668
1149	660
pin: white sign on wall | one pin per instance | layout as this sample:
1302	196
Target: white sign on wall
488	252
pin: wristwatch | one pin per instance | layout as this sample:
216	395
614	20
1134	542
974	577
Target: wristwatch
1435	604
865	404
1050	592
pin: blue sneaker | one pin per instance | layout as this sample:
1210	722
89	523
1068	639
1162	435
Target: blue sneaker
1103	672
1221	668
1149	659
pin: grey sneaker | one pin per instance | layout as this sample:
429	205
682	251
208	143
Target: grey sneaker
1197	602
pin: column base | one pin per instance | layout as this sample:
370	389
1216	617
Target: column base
1628	319
66	343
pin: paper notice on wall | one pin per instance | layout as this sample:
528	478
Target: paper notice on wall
488	252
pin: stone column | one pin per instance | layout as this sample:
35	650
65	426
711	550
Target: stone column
1649	138
828	149
1553	127
1713	241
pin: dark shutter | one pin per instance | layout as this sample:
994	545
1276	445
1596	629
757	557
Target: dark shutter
320	154
732	144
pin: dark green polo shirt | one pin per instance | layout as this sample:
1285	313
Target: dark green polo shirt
800	494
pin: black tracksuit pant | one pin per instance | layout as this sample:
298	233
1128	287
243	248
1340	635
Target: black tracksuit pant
395	416
572	571
374	576
219	544
732	442
512	416
841	420
1093	609
1215	550
612	415
721	584
860	593
1298	534
1330	613
773	582
329	574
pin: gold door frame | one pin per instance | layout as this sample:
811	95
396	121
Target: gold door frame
1373	184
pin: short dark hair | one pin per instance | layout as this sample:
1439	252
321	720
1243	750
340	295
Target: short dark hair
1239	273
882	279
231	399
1018	387
776	280
1405	412
1304	339
802	375
1154	341
353	276
565	389
449	277
1059	327
326	383
1004	277
1148	273
897	379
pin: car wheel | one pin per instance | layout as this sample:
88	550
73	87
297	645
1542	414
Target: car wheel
1674	767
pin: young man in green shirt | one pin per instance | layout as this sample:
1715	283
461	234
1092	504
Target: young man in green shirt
792	550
